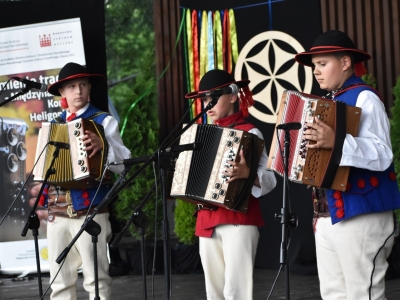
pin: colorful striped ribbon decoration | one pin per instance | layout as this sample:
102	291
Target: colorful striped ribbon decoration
210	43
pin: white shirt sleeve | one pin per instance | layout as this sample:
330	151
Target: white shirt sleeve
267	178
116	149
371	149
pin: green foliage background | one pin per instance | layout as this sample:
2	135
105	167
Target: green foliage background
395	134
370	80
185	222
130	50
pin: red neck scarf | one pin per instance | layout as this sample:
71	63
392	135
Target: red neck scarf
231	120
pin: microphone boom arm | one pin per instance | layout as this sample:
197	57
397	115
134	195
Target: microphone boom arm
21	92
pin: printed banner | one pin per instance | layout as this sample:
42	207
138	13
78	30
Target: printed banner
34	52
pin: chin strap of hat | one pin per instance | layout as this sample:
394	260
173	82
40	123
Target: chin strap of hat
359	69
246	100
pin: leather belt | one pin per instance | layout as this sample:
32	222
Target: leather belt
201	207
320	203
60	204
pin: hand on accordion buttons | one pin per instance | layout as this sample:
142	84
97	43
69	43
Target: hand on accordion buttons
92	142
34	189
321	134
239	170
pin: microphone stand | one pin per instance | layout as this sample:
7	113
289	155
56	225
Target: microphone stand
141	221
94	229
21	92
166	162
33	221
288	219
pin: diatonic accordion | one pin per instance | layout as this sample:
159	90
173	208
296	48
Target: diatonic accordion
73	167
198	174
315	167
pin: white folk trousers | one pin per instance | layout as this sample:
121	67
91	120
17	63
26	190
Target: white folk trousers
60	233
228	261
346	252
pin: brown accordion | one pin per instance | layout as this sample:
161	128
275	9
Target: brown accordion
315	167
73	167
198	174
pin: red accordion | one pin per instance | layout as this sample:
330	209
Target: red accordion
315	167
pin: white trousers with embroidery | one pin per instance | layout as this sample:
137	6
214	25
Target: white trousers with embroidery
228	262
60	233
346	252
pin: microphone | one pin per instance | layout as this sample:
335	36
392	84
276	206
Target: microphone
59	145
142	159
131	161
232	89
185	147
289	126
32	84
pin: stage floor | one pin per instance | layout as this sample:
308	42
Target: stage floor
185	287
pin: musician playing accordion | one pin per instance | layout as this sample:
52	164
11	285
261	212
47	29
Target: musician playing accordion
354	228
67	208
228	239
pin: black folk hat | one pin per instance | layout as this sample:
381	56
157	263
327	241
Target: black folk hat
329	42
73	71
216	79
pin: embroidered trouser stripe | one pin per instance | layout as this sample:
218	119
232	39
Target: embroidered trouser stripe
345	254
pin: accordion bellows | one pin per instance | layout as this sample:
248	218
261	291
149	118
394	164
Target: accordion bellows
308	165
198	174
73	167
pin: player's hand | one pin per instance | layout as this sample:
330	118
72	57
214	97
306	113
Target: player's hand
320	135
34	189
92	142
239	170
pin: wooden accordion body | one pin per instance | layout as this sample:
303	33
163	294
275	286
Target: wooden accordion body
198	174
309	166
73	167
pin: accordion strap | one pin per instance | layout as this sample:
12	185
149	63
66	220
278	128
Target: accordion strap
245	192
96	115
233	125
59	120
336	154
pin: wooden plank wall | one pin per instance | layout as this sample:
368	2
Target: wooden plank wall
372	24
170	87
374	27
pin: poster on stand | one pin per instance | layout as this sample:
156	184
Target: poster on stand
34	52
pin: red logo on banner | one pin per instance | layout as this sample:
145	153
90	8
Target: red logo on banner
45	40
